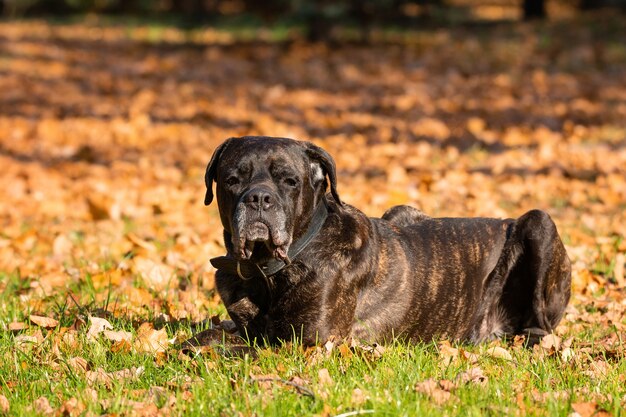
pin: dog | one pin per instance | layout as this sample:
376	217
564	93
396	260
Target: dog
302	264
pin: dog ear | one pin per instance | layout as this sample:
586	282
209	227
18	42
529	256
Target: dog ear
319	155
211	172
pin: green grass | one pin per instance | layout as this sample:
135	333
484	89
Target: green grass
210	384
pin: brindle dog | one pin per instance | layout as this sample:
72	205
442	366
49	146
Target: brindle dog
302	263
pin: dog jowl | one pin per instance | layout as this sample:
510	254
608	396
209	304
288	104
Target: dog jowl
302	263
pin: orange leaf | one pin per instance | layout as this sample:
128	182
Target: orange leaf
45	322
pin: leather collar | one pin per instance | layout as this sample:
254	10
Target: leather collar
247	269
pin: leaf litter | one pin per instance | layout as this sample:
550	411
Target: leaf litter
101	186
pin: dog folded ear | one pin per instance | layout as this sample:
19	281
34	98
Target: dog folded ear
211	172
319	155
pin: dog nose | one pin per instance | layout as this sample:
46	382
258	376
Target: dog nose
259	199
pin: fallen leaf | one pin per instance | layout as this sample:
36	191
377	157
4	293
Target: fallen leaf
101	377
434	391
567	354
585	409
42	406
550	396
25	342
265	381
136	408
447	353
150	340
358	397
598	369
71	408
98	325
158	276
344	350
551	342
324	377
474	375
142	243
118	336
499	353
299	381
90	395
71	340
78	364
61	246
329	346
42	321
4	404
100	207
17	326
123	346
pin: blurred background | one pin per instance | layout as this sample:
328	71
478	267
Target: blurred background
316	20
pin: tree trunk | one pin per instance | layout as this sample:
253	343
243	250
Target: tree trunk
590	4
534	9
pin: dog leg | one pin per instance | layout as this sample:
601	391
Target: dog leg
529	288
538	286
243	305
547	269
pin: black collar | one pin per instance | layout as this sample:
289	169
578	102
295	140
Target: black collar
247	269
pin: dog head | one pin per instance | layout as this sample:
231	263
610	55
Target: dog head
267	189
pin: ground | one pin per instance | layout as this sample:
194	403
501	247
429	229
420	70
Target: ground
105	132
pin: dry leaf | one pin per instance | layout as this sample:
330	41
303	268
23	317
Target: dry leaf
551	342
42	406
25	342
567	354
447	353
585	409
358	397
71	340
78	364
265	381
142	243
61	246
157	276
598	369
45	322
123	346
4	404
499	353
17	326
550	396
72	407
434	391
118	336
90	395
150	340
474	375
324	377
101	377
344	350
97	326
329	346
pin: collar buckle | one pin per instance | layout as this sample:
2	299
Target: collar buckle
240	274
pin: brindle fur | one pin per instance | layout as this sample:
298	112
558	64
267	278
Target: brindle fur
403	275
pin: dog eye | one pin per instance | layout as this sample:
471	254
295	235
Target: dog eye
232	180
292	182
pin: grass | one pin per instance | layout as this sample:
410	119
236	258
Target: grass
529	383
